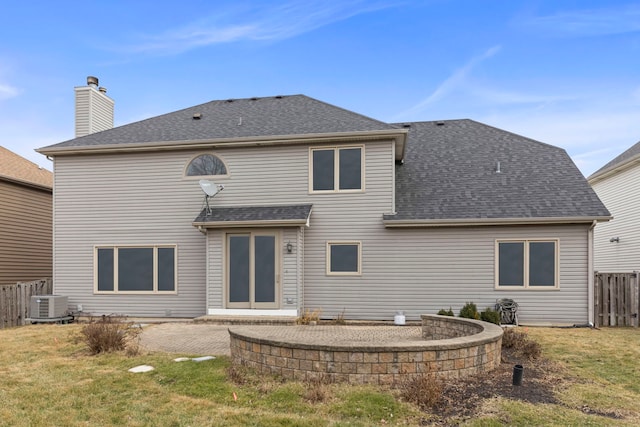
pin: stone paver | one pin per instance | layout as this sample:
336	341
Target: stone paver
194	338
186	338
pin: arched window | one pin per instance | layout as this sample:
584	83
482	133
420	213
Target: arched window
206	164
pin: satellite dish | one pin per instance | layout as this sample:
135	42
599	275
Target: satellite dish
210	189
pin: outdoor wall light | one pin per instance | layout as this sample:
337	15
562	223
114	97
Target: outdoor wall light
289	247
614	239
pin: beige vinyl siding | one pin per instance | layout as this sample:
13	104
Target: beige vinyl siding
423	270
619	193
143	198
25	233
94	111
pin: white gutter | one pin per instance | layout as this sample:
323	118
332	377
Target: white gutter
398	135
470	222
262	223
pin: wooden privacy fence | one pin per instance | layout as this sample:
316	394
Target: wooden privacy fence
617	299
14	300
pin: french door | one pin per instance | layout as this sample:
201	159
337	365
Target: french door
252	270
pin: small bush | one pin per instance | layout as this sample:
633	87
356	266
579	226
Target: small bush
444	312
109	333
469	311
308	317
316	389
520	344
424	390
490	315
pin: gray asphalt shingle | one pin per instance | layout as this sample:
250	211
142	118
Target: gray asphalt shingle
449	172
259	117
251	214
628	154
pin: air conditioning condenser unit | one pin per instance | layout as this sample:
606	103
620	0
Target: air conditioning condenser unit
48	306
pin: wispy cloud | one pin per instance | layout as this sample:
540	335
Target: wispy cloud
7	91
588	22
258	23
454	81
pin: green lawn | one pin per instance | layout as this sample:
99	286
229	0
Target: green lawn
48	379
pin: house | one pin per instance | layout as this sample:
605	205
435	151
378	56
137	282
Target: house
25	220
313	206
617	243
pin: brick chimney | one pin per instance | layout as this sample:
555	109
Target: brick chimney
94	109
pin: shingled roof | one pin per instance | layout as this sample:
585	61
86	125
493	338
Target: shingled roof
234	118
18	169
450	173
632	154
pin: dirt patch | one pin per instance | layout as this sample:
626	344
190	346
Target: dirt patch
462	399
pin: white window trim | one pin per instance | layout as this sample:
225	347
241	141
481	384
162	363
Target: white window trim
155	290
328	258
526	285
336	170
196	177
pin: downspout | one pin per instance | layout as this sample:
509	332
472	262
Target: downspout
590	267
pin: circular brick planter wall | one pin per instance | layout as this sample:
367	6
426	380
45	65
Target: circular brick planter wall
446	346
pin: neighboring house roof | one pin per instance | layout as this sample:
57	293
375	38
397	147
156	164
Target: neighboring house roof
627	158
232	119
254	215
18	169
449	175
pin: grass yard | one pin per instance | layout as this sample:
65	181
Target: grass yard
47	378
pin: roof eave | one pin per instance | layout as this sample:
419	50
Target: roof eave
399	136
471	222
619	167
261	223
26	183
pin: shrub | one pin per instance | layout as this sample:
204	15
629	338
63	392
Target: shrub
424	390
444	312
308	317
520	344
469	311
109	333
490	315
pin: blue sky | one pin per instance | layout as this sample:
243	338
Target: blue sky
559	71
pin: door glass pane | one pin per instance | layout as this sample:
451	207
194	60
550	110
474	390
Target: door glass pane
323	170
135	269
105	269
350	169
344	258
239	269
542	264
166	269
511	264
265	268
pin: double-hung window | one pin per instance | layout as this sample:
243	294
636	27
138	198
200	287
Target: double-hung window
527	264
336	169
344	258
139	269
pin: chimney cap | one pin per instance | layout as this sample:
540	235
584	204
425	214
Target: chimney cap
92	81
102	89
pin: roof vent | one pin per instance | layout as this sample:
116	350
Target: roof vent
406	125
278	96
197	116
439	123
229	100
498	170
254	98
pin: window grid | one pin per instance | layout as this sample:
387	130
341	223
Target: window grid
339	180
113	251
527	264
